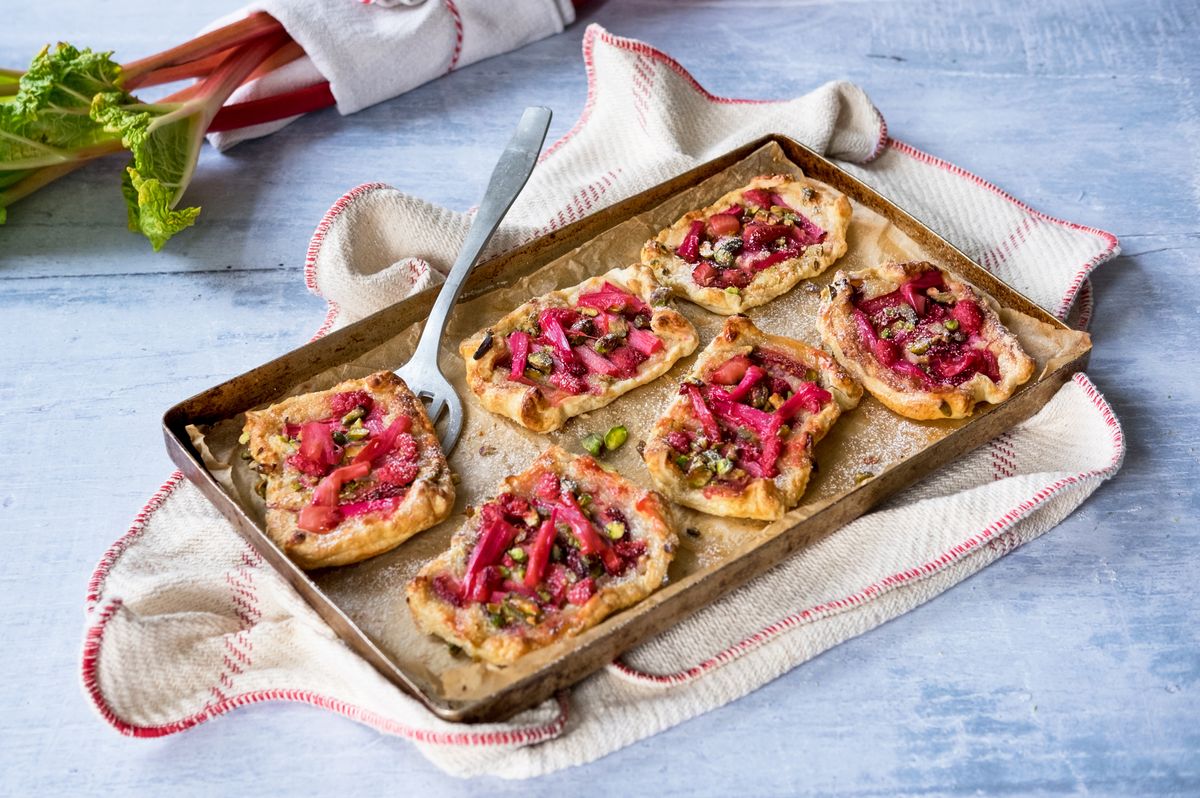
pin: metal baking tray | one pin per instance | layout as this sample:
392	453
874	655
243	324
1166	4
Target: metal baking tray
506	691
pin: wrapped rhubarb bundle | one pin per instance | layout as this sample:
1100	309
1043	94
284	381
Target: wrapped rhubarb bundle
265	67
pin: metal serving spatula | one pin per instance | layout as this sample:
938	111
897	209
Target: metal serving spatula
421	372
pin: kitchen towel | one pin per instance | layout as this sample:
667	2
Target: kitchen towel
371	52
185	622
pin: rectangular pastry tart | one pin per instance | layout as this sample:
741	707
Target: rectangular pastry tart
350	472
738	439
753	244
562	545
574	350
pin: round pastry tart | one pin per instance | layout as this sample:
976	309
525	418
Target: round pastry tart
924	343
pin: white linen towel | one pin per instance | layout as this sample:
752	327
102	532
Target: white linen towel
371	52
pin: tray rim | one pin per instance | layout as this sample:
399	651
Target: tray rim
599	645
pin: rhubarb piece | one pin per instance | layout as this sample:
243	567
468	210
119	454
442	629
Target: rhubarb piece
577	349
689	247
534	566
518	345
344	486
925	344
753	244
722	224
738	438
645	341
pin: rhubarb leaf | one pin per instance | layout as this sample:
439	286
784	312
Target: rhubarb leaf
148	203
47	120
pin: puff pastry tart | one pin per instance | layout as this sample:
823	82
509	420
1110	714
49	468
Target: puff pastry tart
563	545
578	349
753	244
738	439
351	472
924	343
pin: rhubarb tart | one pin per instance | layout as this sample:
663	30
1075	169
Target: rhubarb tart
924	343
561	546
738	438
578	349
350	472
753	244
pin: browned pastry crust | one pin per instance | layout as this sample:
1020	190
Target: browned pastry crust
470	627
529	405
427	501
824	205
903	393
760	498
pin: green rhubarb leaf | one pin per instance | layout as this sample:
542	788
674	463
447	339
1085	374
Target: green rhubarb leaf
148	202
165	142
48	120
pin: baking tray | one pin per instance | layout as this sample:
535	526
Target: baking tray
495	693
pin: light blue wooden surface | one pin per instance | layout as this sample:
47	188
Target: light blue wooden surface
1073	665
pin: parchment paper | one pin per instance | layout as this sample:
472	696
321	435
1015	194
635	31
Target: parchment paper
862	444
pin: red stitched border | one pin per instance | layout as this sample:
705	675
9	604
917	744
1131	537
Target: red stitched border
876	589
458	34
1113	245
96	583
91	683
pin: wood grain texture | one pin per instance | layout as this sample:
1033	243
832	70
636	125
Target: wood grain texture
1072	665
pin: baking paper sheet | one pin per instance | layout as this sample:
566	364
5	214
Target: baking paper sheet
863	443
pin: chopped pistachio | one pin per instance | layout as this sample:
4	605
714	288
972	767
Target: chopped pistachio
540	361
340	438
585	500
354	415
642	321
723	466
733	290
681	461
919	347
951	324
615	530
586	311
660	296
593	443
811	375
357	433
244	438
863	476
544	594
607	343
615	437
886	332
